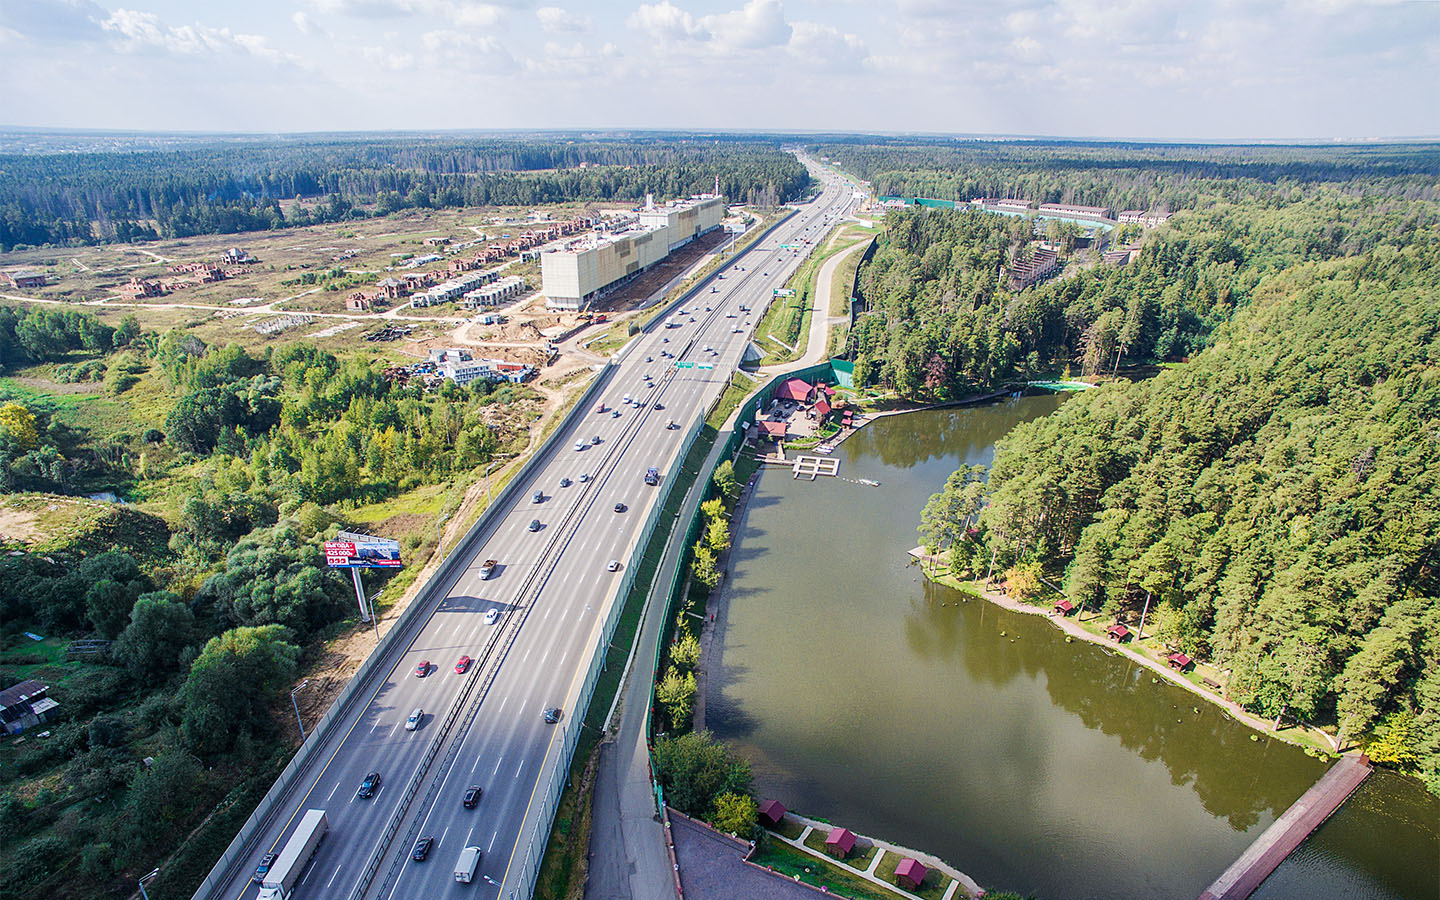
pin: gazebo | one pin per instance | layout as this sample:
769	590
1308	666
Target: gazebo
797	389
910	873
1178	661
1118	633
1064	607
775	430
771	812
840	842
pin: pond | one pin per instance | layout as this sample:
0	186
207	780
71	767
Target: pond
904	711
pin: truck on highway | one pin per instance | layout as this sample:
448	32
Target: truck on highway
487	568
280	880
652	476
466	865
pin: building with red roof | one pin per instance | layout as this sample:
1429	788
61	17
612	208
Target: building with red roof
910	873
771	813
1118	633
774	430
1179	661
822	410
796	389
840	842
1064	607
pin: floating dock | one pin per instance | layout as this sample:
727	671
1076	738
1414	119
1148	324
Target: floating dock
812	466
1281	838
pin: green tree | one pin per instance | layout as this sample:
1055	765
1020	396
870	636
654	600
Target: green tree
703	566
724	479
676	695
230	684
735	814
695	768
685	652
161	799
160	632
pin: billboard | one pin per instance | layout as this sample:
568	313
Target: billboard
370	553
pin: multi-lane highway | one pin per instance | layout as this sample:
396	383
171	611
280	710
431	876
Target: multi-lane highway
554	583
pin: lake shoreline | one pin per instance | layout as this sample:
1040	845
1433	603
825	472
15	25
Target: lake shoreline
1072	628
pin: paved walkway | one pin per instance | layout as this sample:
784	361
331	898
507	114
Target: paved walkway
820	319
958	880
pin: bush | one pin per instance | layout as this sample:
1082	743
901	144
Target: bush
735	814
695	769
153	436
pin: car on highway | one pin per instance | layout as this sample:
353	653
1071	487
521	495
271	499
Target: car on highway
565	482
266	862
423	669
714	290
600	408
492	616
534	525
579	445
764	273
649	359
416	715
659	406
669	424
462	665
472	796
369	786
595	439
422	848
709	349
614	413
537	497
613	565
552	714
620	507
584	477
735	330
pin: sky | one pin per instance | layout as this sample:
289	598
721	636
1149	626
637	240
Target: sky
1147	69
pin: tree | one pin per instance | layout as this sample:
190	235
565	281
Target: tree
717	535
273	575
161	798
695	768
160	632
685	652
18	423
107	605
724	479
108	731
676	695
703	566
735	814
231	683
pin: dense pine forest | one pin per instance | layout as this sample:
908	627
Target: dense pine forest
1270	496
231	186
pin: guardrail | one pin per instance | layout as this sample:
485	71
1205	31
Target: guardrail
390	645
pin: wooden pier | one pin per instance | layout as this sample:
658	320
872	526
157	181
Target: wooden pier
1281	838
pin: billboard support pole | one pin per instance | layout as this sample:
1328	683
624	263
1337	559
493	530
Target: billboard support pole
360	596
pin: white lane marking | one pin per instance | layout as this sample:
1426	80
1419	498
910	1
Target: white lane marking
502	704
332	877
332	792
497	765
375	726
442	835
469	836
519	768
472	768
492	841
392	729
378	793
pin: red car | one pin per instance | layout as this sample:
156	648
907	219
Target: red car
461	665
423	669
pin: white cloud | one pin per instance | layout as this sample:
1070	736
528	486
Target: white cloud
553	19
464	13
460	49
665	22
756	25
389	60
577	61
303	23
826	47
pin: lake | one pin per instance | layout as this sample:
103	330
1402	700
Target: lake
868	697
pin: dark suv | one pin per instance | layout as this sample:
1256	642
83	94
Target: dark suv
472	796
422	848
369	786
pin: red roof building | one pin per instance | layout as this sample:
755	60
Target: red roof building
840	842
1064	607
796	389
1117	633
774	430
822	409
910	873
771	812
1178	661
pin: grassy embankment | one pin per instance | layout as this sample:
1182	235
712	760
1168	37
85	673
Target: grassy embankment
784	328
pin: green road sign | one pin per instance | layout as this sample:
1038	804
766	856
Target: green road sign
706	366
684	365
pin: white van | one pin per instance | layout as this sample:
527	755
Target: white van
466	865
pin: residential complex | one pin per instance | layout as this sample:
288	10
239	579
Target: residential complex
574	276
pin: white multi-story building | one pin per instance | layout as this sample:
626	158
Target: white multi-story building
575	275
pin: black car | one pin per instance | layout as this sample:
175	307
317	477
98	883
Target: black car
564	482
472	796
552	714
422	848
619	507
266	862
369	786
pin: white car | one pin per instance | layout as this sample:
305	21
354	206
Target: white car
492	616
613	565
579	445
413	722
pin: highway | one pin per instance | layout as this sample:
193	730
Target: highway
551	591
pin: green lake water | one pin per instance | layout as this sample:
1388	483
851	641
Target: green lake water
865	696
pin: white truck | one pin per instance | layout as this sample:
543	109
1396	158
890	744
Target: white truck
280	880
466	865
487	568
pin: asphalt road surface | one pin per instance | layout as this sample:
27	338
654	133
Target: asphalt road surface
551	591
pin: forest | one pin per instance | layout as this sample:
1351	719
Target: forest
208	581
226	187
1269	493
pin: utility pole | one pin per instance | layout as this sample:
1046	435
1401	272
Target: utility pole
145	878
